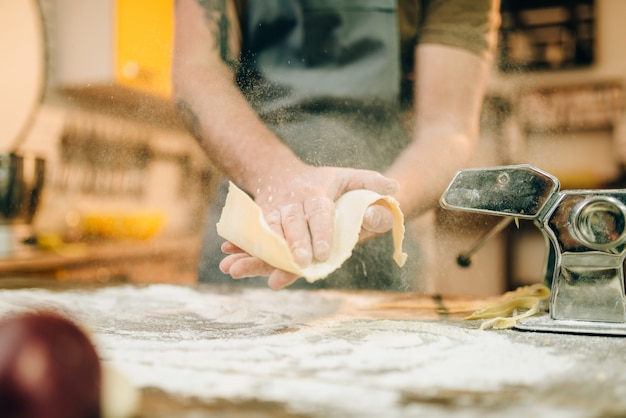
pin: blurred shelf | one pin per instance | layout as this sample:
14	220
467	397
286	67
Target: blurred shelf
156	261
123	102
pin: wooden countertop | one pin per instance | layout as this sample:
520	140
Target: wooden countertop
207	350
159	260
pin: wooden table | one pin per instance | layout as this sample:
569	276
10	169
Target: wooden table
171	260
244	352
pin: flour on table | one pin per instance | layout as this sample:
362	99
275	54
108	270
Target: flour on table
287	347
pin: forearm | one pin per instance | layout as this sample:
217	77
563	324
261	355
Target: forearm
449	91
204	60
425	169
229	130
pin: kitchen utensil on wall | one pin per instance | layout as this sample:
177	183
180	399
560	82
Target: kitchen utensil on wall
99	160
21	83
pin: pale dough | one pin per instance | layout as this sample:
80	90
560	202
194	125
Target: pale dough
119	397
506	314
243	224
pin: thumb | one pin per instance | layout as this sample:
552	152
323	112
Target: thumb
377	219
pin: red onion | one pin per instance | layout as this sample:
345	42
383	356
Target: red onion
48	368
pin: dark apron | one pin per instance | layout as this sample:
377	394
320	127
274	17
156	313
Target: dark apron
325	77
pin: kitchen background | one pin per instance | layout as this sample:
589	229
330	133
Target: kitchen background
126	186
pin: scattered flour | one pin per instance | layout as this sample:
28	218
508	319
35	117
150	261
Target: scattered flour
287	347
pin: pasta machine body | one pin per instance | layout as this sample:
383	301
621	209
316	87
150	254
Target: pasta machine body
585	233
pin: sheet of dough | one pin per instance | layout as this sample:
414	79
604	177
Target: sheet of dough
243	224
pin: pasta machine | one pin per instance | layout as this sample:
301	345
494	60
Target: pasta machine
585	232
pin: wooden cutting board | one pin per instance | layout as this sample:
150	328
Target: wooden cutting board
408	306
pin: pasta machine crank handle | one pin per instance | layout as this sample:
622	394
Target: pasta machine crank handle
464	258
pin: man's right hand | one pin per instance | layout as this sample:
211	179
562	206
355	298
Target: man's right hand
299	206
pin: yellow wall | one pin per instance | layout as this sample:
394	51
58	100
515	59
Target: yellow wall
143	44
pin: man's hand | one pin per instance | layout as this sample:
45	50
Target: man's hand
301	209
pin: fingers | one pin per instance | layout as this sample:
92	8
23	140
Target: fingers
304	215
274	221
320	213
296	231
290	221
376	220
228	247
279	279
308	228
242	265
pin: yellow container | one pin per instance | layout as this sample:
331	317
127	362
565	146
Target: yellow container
140	225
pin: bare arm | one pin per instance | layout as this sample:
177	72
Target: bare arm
296	199
449	91
205	90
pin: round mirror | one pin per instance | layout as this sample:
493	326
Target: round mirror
22	74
